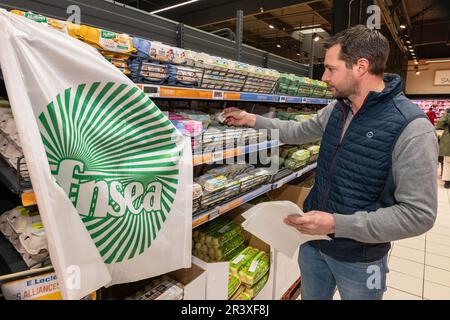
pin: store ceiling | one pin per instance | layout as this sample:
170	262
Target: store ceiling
428	22
430	32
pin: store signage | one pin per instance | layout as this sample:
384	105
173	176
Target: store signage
114	164
442	78
43	287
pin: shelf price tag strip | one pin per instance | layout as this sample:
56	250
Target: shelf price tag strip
156	91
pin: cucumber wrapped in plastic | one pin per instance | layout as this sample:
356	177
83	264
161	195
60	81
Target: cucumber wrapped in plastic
223	234
255	289
255	269
241	259
233	285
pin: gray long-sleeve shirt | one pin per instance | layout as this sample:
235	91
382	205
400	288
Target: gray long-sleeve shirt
414	167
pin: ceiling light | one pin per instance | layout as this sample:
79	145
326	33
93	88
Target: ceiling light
410	46
417	73
416	62
298	54
174	6
411	50
407	41
316	37
271	26
402	26
437	61
278	45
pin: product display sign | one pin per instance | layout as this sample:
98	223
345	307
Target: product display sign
43	287
111	174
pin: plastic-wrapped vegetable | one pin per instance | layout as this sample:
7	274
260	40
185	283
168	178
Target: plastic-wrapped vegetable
254	290
233	285
255	269
225	233
241	259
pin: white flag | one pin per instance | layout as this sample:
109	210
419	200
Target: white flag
112	175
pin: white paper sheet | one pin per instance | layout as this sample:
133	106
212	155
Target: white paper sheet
266	221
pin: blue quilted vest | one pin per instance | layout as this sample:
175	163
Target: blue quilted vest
356	173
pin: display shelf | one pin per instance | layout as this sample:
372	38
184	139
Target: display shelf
10	260
234	203
219	155
167	92
11	178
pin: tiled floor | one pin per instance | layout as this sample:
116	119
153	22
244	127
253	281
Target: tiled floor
420	267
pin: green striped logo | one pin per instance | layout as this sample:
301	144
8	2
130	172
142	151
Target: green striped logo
116	156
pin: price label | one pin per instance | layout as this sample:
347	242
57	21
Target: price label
152	91
218	155
218	95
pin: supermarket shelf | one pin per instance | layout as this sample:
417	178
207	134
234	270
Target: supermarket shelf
10	260
234	152
9	177
157	91
221	209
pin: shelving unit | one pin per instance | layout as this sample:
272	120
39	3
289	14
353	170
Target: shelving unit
167	92
234	203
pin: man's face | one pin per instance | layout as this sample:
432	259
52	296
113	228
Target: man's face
341	80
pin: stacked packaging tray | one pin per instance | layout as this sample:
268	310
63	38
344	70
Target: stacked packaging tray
10	145
26	233
115	47
293	85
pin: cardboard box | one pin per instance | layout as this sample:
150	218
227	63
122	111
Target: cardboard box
287	270
193	279
217	272
296	194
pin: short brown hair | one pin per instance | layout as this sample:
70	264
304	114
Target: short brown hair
361	42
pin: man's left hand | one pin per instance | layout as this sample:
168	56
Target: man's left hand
312	222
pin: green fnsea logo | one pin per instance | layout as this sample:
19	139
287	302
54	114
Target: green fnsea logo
116	157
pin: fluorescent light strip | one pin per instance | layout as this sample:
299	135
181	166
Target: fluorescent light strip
174	6
436	61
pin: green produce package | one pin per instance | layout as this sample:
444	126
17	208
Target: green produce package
255	289
233	285
223	234
255	269
241	259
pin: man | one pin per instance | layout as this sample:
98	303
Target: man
431	116
376	171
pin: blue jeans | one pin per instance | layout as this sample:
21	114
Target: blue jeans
355	281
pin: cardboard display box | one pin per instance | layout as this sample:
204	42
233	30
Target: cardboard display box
296	194
193	280
217	272
287	270
284	271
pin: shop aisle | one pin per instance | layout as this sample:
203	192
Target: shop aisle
420	267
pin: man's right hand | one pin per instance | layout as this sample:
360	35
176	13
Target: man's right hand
237	117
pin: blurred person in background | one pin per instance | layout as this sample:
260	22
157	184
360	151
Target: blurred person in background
444	146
